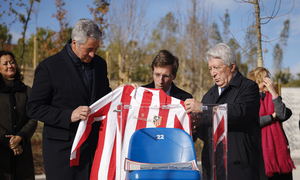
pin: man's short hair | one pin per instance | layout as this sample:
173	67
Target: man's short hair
164	58
84	29
224	52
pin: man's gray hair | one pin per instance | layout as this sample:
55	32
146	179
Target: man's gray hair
223	52
84	29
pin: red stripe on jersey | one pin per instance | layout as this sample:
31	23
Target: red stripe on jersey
177	123
189	115
75	162
144	110
112	164
100	145
164	112
219	132
99	150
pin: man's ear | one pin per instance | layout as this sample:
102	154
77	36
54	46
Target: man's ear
174	76
73	42
232	67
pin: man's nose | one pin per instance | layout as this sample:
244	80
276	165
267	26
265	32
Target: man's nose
212	73
161	78
92	54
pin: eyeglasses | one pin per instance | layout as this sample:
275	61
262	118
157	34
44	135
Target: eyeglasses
164	76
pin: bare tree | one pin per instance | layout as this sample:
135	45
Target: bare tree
23	18
195	32
279	48
251	47
64	33
215	34
226	23
263	19
99	12
165	35
5	37
128	30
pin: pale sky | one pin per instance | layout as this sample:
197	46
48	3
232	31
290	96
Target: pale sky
157	9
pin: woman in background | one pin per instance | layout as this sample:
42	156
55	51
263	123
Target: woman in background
16	128
277	160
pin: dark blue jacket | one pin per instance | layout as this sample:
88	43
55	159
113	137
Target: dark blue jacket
244	135
57	91
175	92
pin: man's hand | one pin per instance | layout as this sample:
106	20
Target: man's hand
192	105
14	141
82	112
18	150
134	85
196	120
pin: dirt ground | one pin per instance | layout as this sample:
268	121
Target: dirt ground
36	144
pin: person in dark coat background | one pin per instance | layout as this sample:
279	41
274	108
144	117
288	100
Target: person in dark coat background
16	128
242	98
64	87
164	71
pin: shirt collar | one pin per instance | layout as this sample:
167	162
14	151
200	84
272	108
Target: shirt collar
169	90
220	89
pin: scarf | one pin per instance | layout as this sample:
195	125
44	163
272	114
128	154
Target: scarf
274	143
18	86
85	70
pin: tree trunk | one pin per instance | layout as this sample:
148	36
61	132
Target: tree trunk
25	28
258	32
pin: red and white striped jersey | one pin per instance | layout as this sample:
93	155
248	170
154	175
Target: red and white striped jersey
220	131
122	112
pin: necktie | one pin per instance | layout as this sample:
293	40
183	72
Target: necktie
222	89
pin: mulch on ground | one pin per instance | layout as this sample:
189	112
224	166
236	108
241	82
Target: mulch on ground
37	151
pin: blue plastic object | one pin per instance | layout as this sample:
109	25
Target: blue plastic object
161	145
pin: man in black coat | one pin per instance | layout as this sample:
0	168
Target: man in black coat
64	86
164	71
242	98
